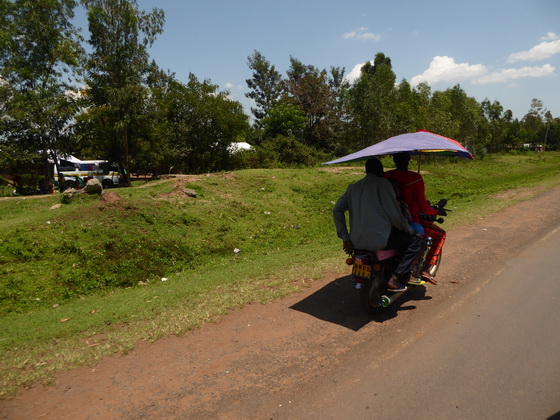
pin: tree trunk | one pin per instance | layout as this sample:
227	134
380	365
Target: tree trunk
126	159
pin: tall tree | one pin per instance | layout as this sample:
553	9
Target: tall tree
495	125
406	109
441	119
466	110
310	89
422	95
456	115
372	101
265	84
534	121
338	116
117	70
39	56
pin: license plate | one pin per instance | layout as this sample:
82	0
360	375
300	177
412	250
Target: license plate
362	270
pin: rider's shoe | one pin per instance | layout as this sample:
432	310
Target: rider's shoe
393	285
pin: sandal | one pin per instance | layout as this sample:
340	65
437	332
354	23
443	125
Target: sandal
428	277
399	288
415	282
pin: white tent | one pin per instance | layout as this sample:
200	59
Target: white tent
239	146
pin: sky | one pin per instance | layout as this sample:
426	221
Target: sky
501	50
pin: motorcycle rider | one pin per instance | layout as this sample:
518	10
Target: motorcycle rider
376	222
413	194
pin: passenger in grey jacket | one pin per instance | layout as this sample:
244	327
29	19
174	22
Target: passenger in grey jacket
376	222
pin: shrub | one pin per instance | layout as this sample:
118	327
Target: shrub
286	151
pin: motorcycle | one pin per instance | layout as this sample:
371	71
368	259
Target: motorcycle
371	270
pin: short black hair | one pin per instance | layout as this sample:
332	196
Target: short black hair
401	160
374	166
403	157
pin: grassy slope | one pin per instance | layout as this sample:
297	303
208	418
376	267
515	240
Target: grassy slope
84	280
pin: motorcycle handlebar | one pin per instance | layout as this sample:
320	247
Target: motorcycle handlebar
441	211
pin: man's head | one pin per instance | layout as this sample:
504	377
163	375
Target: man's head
374	166
401	160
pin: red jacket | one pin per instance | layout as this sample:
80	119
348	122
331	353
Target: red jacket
412	192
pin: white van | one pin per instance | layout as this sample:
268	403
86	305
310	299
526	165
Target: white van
76	172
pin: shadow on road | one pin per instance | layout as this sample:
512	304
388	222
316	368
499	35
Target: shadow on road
339	303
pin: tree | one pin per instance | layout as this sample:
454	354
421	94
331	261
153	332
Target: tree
195	124
422	96
372	101
40	51
117	70
533	123
552	134
455	115
315	93
466	110
266	85
406	109
495	125
338	116
284	119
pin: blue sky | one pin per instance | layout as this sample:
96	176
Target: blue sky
504	50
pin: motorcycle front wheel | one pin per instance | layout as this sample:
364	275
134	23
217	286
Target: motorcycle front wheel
433	269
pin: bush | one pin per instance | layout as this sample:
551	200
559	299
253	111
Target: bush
279	152
29	184
286	151
244	159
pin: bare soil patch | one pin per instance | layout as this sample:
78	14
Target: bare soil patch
110	197
518	193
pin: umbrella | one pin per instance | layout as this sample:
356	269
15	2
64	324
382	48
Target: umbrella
419	143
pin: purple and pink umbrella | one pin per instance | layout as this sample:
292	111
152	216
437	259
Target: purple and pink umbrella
419	143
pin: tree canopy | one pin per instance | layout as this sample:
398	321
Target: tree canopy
39	66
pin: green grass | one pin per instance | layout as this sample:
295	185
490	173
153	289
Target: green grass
82	280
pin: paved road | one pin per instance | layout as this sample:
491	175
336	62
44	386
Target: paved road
495	354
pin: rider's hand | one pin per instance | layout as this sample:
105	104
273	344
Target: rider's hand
347	247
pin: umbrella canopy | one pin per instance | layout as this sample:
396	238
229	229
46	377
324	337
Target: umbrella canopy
419	143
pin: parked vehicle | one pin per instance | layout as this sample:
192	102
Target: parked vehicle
371	270
76	172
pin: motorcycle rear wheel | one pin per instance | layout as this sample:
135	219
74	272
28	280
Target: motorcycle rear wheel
370	297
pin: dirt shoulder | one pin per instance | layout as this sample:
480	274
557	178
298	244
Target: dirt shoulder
262	356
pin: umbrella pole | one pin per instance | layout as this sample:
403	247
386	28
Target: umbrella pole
419	157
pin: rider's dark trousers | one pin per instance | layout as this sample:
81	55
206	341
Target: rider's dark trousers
409	245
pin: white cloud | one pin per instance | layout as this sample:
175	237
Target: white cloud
506	75
362	33
231	86
550	36
355	72
445	69
538	52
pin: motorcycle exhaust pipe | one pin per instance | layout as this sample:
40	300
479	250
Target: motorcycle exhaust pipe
386	300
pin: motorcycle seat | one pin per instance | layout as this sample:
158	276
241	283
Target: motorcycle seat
385	254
